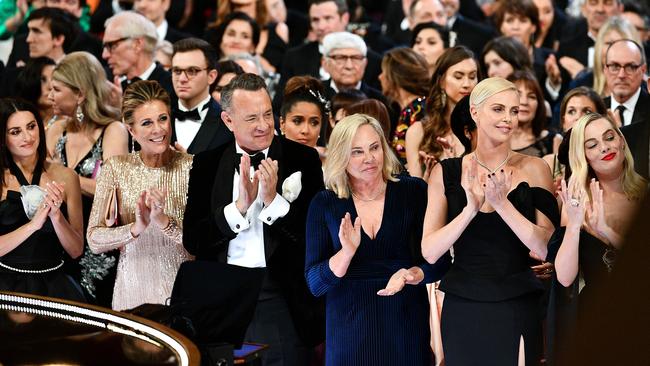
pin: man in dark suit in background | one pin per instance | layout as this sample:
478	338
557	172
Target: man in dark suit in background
464	31
624	69
81	41
325	16
197	124
236	215
155	10
418	11
130	41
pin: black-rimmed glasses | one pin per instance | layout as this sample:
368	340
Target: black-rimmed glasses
189	72
628	68
111	45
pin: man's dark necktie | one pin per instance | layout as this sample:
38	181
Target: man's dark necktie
256	159
192	115
621	109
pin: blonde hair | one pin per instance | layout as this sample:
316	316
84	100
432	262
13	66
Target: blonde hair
487	88
626	30
634	185
340	146
82	73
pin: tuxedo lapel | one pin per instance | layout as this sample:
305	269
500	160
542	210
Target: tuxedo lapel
223	181
208	130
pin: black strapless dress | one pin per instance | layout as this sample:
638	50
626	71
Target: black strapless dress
491	294
35	266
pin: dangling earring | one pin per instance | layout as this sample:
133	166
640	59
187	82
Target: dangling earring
80	114
132	144
443	97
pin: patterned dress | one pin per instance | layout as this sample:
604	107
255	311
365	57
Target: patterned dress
413	112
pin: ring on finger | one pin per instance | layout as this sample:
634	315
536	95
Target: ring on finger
574	202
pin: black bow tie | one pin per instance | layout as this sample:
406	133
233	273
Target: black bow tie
192	115
256	159
127	82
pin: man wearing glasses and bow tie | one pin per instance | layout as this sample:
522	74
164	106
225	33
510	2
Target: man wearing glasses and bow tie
197	124
254	217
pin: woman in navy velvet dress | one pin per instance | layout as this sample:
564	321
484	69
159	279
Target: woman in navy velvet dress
363	240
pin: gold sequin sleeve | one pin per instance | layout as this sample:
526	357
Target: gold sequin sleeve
100	237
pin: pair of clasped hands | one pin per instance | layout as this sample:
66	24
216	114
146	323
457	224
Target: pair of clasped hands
264	180
150	208
51	205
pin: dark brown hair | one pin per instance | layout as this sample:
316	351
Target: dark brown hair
373	108
530	81
404	68
519	8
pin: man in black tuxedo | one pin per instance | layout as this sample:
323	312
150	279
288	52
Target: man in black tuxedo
624	69
464	31
236	215
155	10
576	51
130	41
418	11
197	124
326	16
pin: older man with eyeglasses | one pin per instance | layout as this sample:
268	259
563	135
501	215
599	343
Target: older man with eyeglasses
129	47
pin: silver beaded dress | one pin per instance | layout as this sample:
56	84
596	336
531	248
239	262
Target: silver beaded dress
148	264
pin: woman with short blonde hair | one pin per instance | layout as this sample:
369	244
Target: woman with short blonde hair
363	236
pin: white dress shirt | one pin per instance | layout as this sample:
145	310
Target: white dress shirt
186	130
162	30
629	104
247	248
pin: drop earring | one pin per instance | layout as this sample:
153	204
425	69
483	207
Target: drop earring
79	114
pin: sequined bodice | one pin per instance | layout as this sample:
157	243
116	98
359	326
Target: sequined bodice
88	164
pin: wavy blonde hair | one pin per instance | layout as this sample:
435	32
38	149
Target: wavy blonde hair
82	73
634	185
340	146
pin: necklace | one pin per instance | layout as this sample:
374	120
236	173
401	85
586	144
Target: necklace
367	199
492	171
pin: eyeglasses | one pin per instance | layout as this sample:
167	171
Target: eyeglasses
343	59
190	72
628	68
112	45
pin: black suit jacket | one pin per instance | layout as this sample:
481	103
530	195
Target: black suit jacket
206	233
641	109
637	136
576	42
164	78
306	60
212	133
174	35
471	34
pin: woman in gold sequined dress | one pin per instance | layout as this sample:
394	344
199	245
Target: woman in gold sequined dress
140	200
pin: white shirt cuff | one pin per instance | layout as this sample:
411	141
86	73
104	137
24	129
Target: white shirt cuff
278	208
553	91
234	218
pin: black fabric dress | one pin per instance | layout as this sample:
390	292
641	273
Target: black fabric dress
491	294
41	251
567	308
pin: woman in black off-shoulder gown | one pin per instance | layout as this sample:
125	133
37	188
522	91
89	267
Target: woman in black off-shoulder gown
495	209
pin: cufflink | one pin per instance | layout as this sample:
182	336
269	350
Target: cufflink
268	218
237	226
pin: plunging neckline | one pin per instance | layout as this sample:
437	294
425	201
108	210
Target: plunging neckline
383	214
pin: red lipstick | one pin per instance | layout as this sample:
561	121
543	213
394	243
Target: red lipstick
609	156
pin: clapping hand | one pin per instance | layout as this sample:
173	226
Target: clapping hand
54	198
474	194
267	175
496	188
40	216
350	235
429	161
142	215
155	201
402	277
573	201
596	210
247	187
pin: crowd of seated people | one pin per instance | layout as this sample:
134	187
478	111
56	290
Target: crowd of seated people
419	181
